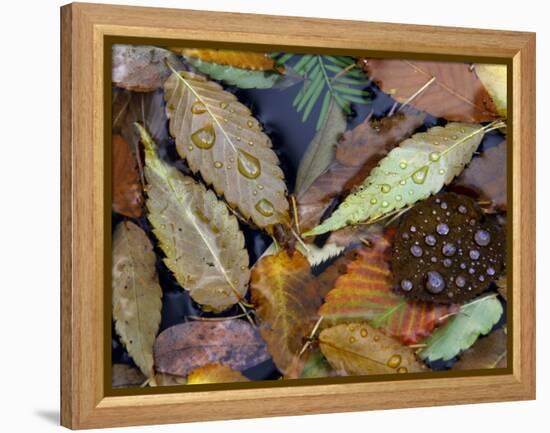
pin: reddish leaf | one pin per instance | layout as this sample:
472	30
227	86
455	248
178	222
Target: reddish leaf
357	153
126	186
485	178
285	303
184	347
365	293
456	93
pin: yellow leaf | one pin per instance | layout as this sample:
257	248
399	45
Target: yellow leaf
494	78
214	373
240	59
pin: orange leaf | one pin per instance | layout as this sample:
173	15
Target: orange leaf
285	303
365	293
127	189
240	59
357	153
214	373
449	90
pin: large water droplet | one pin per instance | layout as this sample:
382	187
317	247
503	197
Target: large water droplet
430	240
403	165
419	176
406	285
442	229
248	165
460	281
434	156
398	198
394	361
482	238
373	200
218	164
265	207
385	188
416	251
447	263
474	254
385	203
204	137
435	283
448	250
198	108
490	271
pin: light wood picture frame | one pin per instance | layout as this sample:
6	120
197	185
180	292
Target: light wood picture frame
87	34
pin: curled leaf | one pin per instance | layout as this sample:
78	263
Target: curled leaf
203	244
285	304
214	373
220	139
141	68
487	352
234	343
444	89
419	167
359	349
136	294
357	153
126	186
474	319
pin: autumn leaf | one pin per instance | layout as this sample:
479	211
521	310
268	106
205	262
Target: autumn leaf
359	349
502	286
136	294
474	319
494	79
162	379
321	150
357	153
222	140
285	304
487	352
485	178
419	167
126	186
234	343
125	376
364	292
203	244
141	68
240	59
444	89
214	373
316	366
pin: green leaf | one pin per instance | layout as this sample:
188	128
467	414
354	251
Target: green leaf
474	319
243	78
320	152
419	167
201	240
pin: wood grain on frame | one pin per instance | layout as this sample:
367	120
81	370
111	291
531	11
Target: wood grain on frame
84	403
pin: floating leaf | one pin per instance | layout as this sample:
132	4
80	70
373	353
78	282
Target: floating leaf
329	79
220	139
419	167
322	149
474	319
125	376
444	89
203	244
126	187
357	153
136	294
487	352
187	346
494	79
485	178
285	303
359	349
242	78
214	373
239	59
141	68
364	292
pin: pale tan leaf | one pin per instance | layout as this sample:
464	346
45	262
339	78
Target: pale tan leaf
136	294
359	349
214	373
222	140
203	244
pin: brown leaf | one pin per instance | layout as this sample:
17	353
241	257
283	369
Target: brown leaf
239	59
502	286
163	379
485	178
184	347
214	373
125	376
285	303
127	190
357	153
487	352
141	68
456	93
359	349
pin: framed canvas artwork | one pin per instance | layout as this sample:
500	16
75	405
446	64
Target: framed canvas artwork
314	215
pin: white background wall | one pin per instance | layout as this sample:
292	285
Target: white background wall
29	214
